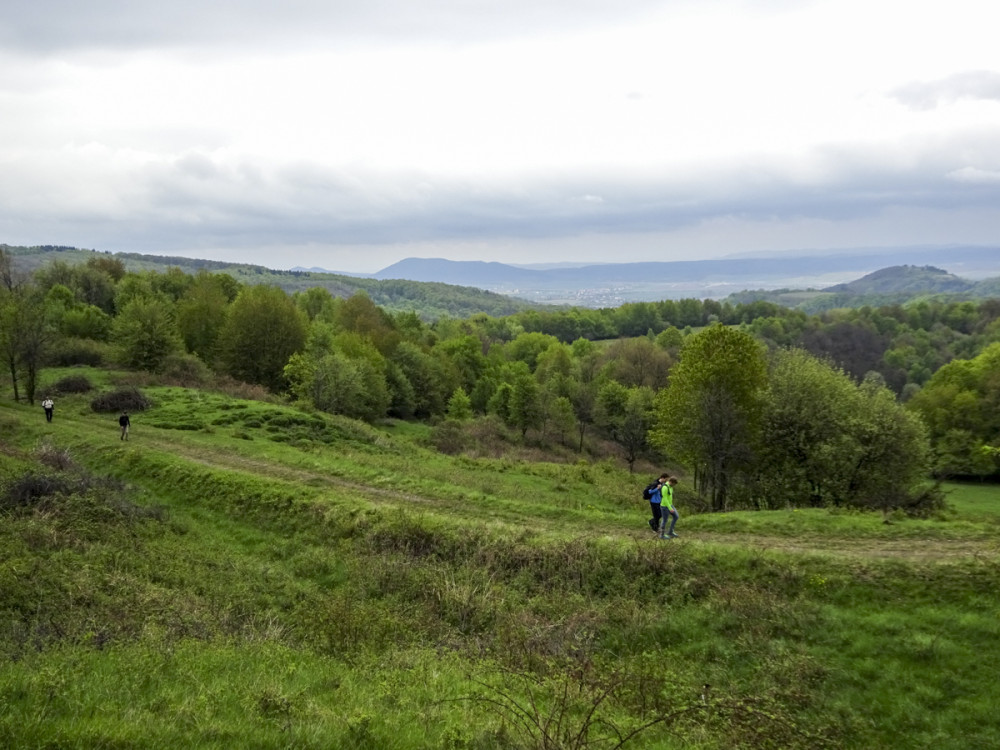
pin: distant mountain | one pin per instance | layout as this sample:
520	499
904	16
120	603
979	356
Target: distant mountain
611	284
905	279
464	272
887	286
970	260
811	281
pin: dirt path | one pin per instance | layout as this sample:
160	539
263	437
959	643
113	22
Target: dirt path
927	550
274	469
878	548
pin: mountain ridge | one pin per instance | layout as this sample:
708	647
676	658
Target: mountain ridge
813	279
474	272
610	284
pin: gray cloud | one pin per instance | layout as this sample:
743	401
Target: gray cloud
195	201
45	26
227	164
975	84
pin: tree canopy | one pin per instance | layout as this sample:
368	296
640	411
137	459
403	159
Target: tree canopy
709	416
764	406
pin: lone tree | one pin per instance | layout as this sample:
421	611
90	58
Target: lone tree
710	414
262	331
25	328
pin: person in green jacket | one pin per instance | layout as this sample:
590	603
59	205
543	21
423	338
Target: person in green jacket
668	509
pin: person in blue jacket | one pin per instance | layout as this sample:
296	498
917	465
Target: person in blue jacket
655	498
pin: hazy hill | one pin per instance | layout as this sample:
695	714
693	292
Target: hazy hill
887	286
487	275
905	279
612	284
428	299
434	287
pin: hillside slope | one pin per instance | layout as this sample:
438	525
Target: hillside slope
887	286
430	300
243	573
905	280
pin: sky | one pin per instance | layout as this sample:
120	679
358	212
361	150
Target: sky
350	134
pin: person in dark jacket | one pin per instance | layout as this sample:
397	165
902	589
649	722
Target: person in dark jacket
655	498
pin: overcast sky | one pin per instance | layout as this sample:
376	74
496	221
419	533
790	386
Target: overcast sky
349	134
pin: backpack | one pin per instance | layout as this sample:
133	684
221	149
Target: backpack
647	493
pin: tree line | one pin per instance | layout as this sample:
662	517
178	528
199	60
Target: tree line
764	405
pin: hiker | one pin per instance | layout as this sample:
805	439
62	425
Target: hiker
654	493
124	423
667	496
48	404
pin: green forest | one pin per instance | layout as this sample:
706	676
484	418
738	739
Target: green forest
342	523
911	385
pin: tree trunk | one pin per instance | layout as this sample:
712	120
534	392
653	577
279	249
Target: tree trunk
13	378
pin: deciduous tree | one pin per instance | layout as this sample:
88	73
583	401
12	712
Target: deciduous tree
709	417
263	329
144	333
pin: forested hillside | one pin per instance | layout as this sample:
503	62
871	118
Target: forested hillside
575	380
429	300
894	285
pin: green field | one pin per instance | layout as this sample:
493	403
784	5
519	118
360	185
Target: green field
244	574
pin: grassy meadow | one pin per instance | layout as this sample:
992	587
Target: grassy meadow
245	574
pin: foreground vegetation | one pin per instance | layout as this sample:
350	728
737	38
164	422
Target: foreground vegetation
241	573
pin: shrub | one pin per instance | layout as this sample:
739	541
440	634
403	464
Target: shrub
490	436
56	458
449	437
79	496
184	369
73	384
28	489
123	399
233	388
71	352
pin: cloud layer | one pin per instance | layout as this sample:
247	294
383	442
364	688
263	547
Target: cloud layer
351	134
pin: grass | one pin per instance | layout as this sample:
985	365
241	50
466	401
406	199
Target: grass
243	574
975	502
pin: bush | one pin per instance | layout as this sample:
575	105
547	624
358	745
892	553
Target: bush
490	436
71	352
73	384
449	437
28	489
56	458
185	370
233	388
79	496
123	399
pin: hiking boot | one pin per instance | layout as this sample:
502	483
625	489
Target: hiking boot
672	535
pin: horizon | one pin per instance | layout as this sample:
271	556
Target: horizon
353	136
